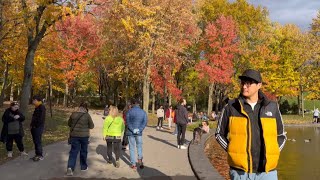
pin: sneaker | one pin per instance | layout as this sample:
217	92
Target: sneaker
37	158
178	146
86	169
141	166
109	161
10	154
134	167
183	147
24	153
157	127
69	172
161	128
117	164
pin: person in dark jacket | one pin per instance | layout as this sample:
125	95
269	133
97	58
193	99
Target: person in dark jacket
125	140
12	129
136	120
181	115
37	126
80	123
251	130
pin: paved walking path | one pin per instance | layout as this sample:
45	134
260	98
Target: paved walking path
161	159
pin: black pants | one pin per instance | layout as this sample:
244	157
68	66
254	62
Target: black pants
125	140
18	139
160	121
37	140
181	133
115	143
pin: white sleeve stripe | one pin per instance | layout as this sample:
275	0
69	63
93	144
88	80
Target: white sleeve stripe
221	141
220	120
283	133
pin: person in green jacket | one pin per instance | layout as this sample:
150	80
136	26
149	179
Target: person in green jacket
113	128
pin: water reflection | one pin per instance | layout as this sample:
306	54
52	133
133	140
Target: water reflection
300	159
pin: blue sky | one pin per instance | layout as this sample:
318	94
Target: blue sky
299	12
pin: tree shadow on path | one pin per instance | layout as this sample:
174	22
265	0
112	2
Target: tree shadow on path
161	140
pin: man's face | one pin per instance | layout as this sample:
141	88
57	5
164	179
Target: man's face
249	88
15	107
34	102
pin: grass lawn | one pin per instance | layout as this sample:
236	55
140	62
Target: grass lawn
56	130
297	119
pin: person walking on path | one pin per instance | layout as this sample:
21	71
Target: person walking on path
182	120
113	128
169	116
125	140
316	115
80	123
160	116
12	129
136	119
251	130
37	126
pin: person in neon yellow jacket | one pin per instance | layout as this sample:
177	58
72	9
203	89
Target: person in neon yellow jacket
113	128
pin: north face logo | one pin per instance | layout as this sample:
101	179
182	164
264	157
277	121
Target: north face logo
269	113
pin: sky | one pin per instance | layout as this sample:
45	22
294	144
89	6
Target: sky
299	12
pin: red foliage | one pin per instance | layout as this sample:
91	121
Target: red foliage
220	47
79	41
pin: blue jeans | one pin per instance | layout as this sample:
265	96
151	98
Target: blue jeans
239	175
78	144
135	142
37	140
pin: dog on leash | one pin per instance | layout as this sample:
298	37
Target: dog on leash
197	134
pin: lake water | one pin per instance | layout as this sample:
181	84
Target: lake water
300	160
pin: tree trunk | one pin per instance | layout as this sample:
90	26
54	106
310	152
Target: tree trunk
5	83
299	105
65	97
31	95
217	100
153	102
211	87
27	79
50	95
302	103
170	99
11	90
194	106
58	98
146	93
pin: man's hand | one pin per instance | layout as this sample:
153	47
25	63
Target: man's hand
16	117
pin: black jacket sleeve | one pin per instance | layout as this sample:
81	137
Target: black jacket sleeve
280	129
222	128
185	114
7	117
38	116
22	118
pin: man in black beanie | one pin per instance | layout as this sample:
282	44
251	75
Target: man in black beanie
37	126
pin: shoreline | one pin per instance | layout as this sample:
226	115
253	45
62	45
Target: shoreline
303	125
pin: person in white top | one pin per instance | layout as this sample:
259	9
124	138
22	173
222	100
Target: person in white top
160	116
316	115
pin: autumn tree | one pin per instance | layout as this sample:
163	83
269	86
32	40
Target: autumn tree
217	67
38	17
79	42
10	31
